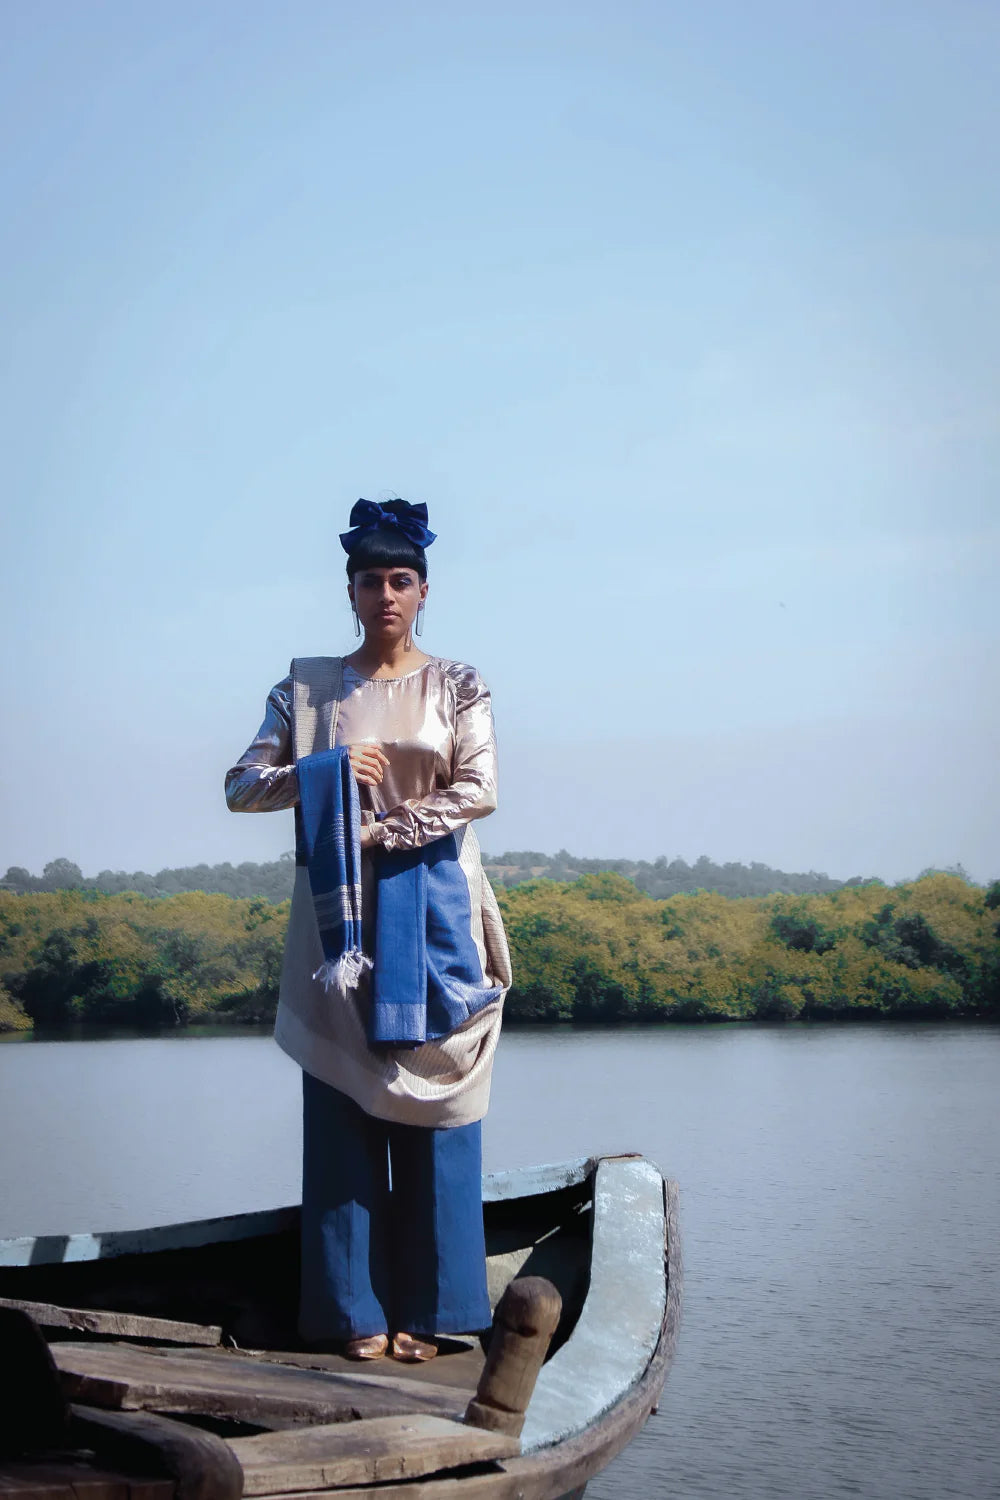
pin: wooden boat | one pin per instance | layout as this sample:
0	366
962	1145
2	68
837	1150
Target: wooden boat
175	1349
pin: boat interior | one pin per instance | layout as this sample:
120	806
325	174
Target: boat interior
246	1282
183	1335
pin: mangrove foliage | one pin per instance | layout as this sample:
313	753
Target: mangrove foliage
594	949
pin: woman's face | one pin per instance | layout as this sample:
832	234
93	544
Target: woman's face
387	600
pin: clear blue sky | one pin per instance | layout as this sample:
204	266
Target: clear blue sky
685	322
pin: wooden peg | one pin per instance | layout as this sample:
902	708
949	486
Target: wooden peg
523	1325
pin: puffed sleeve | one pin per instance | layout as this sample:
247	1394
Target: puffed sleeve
264	778
472	792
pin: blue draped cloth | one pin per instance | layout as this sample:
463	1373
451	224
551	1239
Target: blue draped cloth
331	831
428	975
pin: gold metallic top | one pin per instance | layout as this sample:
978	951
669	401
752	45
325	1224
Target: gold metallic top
436	726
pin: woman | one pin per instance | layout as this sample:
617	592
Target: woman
394	1093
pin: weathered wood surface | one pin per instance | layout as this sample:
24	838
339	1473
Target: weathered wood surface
114	1324
523	1327
71	1479
457	1367
675	1275
545	1473
199	1464
365	1452
548	1473
32	1404
222	1384
410	1383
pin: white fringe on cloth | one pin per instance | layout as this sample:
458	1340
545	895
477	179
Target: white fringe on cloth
344	973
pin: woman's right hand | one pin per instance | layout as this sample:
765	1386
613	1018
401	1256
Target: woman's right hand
368	763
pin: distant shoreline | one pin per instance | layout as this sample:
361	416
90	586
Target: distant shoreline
81	1032
272	880
595	950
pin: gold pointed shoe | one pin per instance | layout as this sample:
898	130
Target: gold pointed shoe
410	1350
373	1346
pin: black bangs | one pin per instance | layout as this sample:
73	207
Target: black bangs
386	548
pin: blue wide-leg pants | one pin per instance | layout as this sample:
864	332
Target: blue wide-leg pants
392	1224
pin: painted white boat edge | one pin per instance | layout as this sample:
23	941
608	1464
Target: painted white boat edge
619	1326
59	1249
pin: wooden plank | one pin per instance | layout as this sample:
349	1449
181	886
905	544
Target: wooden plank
366	1452
115	1324
446	1396
120	1377
22	1481
63	1480
95	1485
458	1367
78	1480
201	1465
547	1473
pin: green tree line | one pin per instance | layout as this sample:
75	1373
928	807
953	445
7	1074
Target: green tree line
595	949
270	881
662	877
273	879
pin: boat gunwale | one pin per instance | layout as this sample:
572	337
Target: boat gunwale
17	1251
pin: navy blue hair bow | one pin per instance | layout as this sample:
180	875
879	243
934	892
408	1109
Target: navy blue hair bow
367	516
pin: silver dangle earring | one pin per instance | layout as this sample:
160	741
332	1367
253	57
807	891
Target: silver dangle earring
418	624
357	622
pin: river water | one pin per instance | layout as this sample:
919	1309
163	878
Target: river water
840	1213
